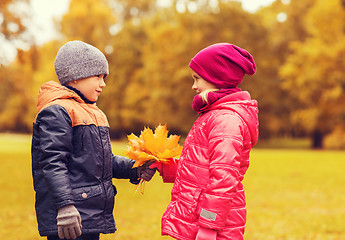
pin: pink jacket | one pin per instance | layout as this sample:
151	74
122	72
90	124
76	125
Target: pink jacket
207	189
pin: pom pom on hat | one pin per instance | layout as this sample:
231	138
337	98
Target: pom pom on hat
223	64
76	60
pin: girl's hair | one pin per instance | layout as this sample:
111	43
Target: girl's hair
204	94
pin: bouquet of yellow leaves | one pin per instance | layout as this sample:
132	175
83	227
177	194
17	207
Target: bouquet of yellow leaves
153	146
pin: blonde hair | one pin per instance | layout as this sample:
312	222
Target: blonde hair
204	94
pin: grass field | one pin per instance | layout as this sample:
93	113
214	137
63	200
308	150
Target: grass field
292	194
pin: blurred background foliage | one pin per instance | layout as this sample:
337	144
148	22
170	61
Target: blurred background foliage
298	46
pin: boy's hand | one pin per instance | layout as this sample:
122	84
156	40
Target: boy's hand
68	222
145	172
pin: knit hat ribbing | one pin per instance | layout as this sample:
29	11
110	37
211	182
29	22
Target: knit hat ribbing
223	64
76	60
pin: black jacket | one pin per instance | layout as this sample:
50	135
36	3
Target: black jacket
72	161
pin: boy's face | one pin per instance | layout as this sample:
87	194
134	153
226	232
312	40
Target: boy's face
90	87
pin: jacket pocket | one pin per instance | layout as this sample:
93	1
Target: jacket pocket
84	193
188	202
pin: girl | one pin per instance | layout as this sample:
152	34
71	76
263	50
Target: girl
207	199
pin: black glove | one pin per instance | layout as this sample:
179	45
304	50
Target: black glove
146	173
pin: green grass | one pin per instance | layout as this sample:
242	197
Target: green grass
292	194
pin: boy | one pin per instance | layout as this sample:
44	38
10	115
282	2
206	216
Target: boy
72	160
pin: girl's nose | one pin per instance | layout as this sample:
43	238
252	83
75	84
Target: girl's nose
194	87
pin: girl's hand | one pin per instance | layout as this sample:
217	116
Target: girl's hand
156	165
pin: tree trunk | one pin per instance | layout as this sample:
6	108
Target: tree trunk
317	139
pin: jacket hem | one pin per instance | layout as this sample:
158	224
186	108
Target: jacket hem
174	235
87	231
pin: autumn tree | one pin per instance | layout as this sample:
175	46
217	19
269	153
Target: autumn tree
15	78
283	24
159	89
149	47
16	92
123	83
313	73
14	18
129	10
89	21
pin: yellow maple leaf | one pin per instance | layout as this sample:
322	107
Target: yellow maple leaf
153	146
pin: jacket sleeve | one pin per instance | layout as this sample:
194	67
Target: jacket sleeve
55	130
168	171
225	138
123	169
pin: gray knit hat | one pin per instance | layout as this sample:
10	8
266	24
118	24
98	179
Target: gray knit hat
76	60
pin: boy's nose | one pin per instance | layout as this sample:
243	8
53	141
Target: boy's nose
102	83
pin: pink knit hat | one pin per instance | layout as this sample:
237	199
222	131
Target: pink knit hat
223	64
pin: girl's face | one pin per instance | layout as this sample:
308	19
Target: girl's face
90	87
200	84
